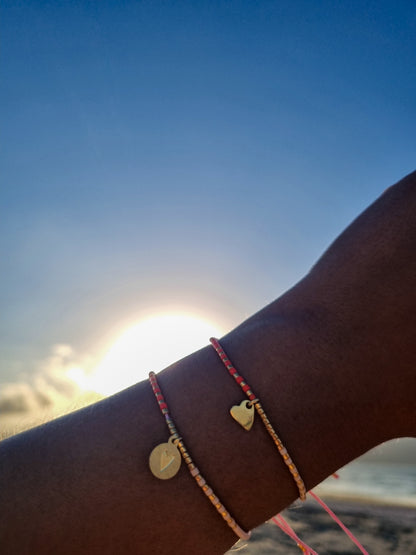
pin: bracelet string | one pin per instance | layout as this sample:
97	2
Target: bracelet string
244	415
165	461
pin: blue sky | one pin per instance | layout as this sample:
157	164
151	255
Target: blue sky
195	155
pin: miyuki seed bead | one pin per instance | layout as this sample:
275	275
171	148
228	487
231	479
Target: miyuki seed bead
247	390
194	471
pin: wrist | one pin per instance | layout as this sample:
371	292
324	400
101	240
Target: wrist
315	389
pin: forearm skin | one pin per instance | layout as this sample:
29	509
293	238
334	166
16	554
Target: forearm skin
333	362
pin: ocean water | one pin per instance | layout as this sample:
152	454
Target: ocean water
377	482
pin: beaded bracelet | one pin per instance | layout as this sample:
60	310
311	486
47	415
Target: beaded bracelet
165	461
244	415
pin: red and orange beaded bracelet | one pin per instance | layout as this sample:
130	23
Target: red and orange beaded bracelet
165	461
244	415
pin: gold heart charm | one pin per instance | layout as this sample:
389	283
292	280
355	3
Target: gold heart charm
244	414
165	460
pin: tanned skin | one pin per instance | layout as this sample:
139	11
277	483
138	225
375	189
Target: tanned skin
334	363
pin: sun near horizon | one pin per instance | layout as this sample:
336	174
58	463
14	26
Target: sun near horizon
150	344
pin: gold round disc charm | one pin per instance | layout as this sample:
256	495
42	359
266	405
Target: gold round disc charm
165	460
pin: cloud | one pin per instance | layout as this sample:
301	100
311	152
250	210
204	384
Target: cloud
52	385
19	397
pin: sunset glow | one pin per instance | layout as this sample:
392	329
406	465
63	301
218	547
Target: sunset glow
151	344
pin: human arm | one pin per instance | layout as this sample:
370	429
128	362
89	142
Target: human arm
333	362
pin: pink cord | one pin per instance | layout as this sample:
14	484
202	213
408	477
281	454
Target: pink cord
285	526
340	524
287	529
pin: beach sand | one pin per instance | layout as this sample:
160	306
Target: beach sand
381	530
